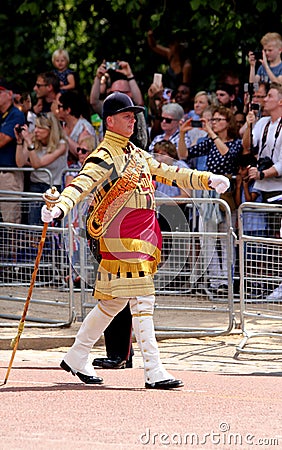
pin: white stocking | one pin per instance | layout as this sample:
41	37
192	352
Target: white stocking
90	331
142	319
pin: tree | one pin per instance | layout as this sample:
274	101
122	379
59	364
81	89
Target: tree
219	33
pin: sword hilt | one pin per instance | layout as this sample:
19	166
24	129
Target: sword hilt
51	197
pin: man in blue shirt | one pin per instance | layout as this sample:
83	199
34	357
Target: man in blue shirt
10	116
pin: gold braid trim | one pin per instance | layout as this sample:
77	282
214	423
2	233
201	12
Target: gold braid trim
103	311
107	207
142	315
123	267
200	180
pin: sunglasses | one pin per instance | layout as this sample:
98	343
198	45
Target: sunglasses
82	150
167	119
217	119
60	105
39	85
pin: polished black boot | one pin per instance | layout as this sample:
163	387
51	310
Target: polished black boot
129	363
165	384
110	363
87	379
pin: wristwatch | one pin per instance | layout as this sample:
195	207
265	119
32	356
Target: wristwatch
31	147
261	175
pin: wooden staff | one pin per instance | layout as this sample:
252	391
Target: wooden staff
51	197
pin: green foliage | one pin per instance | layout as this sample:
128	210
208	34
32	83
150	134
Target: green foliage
219	33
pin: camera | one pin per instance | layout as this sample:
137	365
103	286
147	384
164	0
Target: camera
112	65
19	129
255	107
251	88
258	54
264	163
167	94
196	124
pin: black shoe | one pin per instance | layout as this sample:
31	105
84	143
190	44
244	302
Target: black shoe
108	363
129	364
222	289
165	384
200	291
87	379
218	292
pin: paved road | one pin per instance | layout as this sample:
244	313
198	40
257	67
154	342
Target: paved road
226	403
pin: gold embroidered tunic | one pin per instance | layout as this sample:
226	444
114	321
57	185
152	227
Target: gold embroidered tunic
130	242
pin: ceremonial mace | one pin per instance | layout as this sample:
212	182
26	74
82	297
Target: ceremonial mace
51	197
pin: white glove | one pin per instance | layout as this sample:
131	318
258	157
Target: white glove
48	215
219	182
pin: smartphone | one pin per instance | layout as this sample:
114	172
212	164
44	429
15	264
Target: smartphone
258	54
112	65
158	79
196	124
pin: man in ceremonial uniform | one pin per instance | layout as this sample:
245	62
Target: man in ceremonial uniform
122	218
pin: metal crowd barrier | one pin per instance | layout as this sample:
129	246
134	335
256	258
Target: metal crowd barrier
197	253
194	260
260	277
185	302
52	299
25	208
83	264
27	170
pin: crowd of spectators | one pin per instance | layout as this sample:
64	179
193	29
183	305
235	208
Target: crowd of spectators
233	130
215	128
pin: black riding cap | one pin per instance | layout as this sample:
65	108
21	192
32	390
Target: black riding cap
117	103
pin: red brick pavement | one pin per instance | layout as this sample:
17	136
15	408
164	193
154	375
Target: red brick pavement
43	407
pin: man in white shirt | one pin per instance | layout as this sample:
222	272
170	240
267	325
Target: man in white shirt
267	137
